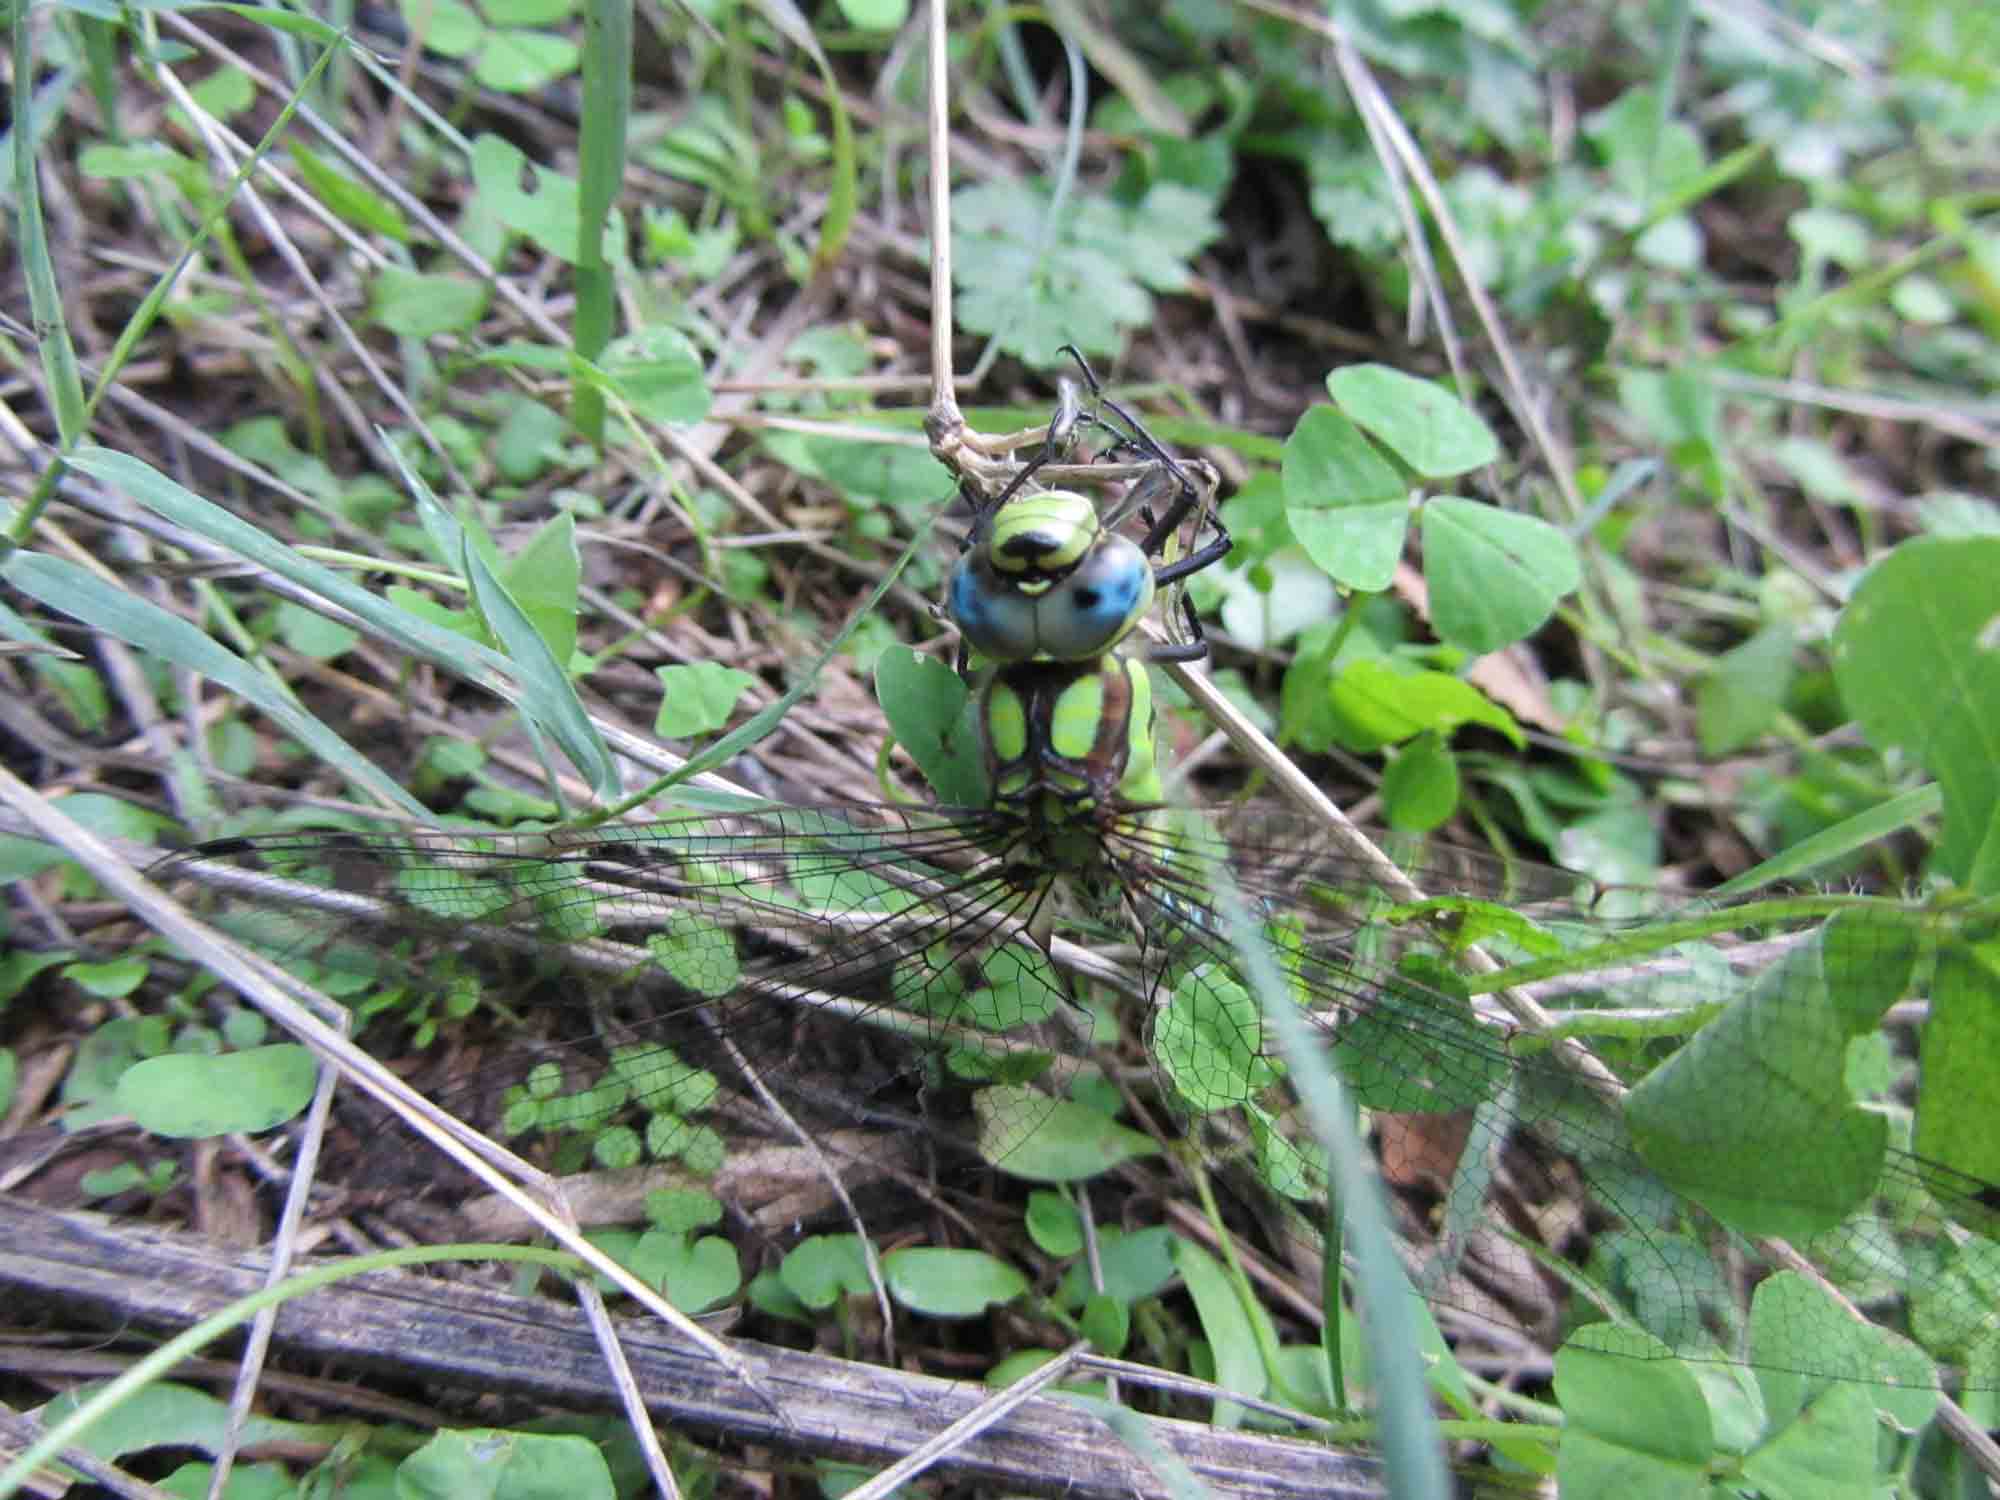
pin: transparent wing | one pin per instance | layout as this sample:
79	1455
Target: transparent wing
1766	1101
1767	1097
629	961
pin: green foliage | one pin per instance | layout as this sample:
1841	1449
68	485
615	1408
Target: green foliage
188	1096
1914	658
931	715
166	1415
1054	1223
127	1177
824	1268
1027	1136
489	1461
510	49
547	213
693	1272
1494	576
698	699
1790	1076
1210	1041
1756	268
1036	280
414	305
659	374
1653	1421
946	1283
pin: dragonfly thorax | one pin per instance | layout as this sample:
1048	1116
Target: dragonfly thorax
1047	583
1068	743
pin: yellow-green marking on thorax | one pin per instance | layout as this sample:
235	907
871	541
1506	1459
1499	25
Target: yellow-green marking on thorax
1073	735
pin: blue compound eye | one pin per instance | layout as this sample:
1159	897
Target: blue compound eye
1097	604
994	617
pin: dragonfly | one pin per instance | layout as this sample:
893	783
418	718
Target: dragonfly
1700	1083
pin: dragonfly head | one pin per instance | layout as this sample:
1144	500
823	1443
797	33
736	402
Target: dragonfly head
1038	603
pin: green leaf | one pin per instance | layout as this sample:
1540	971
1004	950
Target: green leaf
875	474
660	373
111	980
824	1268
527	12
617	1149
1378	704
89	1091
1346	504
1107	1323
113	817
1420	786
1820	470
174	1416
1155	238
1265	605
1225	1322
1958	1105
1083	280
1636	1421
109	1182
1136	1265
544	578
412	304
932	715
366	1477
310	28
18	967
545	213
1021	989
1741	696
694	1275
520	62
1053	1224
153	159
1648	152
1026	1134
949	1283
1795	1326
1209	1039
225	92
1494	576
80	689
1419	421
1828	234
547	695
1417	1047
1830	1454
682	1209
1778	1055
356	202
528	441
447	27
312	634
1967	1278
875	15
699	955
188	1096
1916	661
698	699
492	1464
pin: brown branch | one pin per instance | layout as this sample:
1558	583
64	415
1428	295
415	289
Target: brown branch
120	1275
